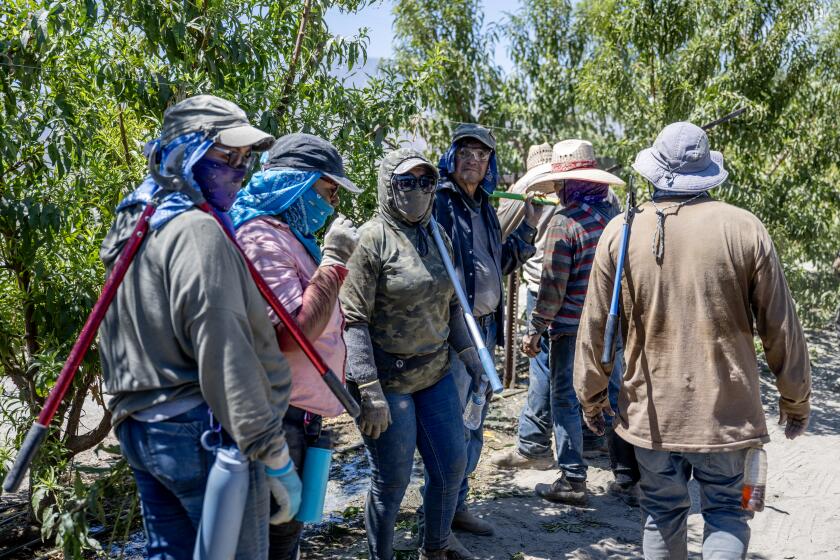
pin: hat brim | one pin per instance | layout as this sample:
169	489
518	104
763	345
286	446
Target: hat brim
590	174
411	163
712	176
344	182
535	180
486	139
242	136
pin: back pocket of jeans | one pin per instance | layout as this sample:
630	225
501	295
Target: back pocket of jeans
176	456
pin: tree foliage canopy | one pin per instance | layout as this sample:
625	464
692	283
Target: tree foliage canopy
84	83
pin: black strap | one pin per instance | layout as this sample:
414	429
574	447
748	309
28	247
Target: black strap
388	365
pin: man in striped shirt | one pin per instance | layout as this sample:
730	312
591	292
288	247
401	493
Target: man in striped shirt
571	239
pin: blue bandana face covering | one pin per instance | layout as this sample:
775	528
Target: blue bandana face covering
219	182
305	217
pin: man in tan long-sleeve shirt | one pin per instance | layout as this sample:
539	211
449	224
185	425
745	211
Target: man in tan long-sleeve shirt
699	278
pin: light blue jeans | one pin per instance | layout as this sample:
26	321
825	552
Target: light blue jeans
665	503
171	469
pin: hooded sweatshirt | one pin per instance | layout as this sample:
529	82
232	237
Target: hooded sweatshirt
188	323
398	287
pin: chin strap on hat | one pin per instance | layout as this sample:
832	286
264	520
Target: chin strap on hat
658	245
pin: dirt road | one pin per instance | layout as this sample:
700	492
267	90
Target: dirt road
801	521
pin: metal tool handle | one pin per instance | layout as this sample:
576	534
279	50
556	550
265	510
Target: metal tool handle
611	330
38	431
472	326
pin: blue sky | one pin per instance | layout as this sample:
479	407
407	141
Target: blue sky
379	21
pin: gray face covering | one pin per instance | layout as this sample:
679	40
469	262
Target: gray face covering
412	204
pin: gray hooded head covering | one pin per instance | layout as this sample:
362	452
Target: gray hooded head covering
400	161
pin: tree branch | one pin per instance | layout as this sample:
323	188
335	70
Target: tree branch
124	139
286	92
75	410
78	443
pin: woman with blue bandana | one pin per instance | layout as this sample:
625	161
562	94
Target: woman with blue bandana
277	215
187	325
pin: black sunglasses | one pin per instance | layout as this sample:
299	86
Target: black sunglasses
408	182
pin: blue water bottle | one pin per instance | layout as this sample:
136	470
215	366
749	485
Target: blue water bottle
316	473
224	506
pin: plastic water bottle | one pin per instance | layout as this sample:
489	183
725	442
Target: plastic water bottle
316	474
475	406
755	480
224	506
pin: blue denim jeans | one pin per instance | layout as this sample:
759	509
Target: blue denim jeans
429	420
474	439
284	539
552	389
665	503
171	469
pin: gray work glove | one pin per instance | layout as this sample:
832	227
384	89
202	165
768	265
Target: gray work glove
794	421
469	357
339	242
593	417
376	414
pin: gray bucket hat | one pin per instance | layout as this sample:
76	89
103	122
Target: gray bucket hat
680	160
221	120
470	130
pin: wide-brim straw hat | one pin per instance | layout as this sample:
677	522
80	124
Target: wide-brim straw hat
681	161
575	159
538	164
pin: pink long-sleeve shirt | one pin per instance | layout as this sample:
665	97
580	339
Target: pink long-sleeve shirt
288	269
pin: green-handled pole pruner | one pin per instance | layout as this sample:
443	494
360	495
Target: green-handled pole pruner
540	201
608	355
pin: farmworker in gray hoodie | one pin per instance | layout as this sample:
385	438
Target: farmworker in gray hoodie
187	344
402	316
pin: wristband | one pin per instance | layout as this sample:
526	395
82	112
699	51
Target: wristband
281	471
368	384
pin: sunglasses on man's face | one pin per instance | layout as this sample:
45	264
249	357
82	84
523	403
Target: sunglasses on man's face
408	182
235	158
479	154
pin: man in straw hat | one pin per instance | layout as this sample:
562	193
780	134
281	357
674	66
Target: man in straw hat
700	277
572	235
533	449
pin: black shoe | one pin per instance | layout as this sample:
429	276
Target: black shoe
627	493
563	491
595	447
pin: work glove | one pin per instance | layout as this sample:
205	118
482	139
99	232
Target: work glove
594	419
795	422
339	242
531	345
532	211
285	487
475	369
376	414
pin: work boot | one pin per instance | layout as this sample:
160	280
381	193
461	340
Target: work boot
513	459
466	521
627	493
454	546
563	491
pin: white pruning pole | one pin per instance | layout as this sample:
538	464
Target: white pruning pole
472	326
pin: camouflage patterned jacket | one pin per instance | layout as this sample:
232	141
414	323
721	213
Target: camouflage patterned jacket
397	285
